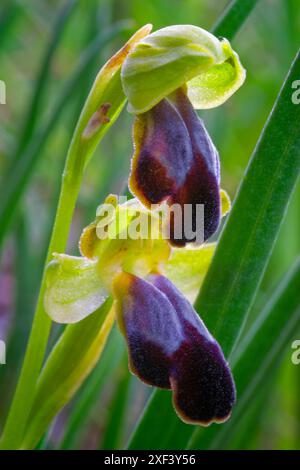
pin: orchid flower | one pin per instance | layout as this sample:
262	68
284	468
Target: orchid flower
169	346
125	253
166	75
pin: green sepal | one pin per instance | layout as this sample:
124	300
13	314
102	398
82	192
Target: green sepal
73	288
176	56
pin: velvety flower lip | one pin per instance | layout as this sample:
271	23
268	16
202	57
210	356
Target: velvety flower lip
170	347
150	326
176	161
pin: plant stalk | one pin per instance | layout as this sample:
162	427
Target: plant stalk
21	405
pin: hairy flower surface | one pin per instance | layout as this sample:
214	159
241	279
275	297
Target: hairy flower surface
176	161
170	347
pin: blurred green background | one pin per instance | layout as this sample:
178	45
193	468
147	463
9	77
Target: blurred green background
50	52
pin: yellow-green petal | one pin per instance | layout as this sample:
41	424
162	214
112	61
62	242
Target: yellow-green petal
187	268
124	237
73	288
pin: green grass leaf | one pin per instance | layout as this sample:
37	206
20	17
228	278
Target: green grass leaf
242	253
115	423
32	114
233	18
89	393
10	13
17	183
71	360
258	356
252	227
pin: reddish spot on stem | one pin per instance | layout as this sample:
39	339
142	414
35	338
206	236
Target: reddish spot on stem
98	118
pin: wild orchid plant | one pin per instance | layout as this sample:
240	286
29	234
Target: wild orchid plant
165	77
149	280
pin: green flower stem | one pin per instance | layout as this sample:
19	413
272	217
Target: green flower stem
103	106
20	408
18	180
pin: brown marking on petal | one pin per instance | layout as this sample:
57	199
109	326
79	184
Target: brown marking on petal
107	72
97	120
118	59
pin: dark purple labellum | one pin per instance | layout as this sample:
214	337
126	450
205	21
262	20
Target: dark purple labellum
170	347
175	160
